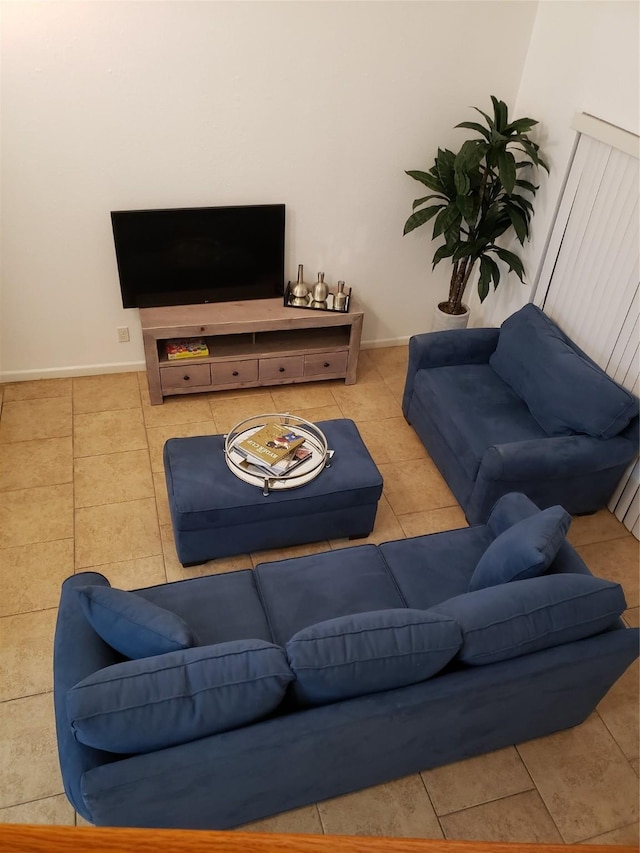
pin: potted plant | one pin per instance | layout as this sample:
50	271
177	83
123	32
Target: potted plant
477	196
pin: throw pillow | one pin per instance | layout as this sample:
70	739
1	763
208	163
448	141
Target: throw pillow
145	705
368	652
524	550
502	622
135	627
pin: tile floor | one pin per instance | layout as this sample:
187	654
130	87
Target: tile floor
81	485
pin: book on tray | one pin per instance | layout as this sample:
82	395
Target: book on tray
285	466
275	448
186	348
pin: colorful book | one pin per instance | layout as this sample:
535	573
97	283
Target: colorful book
270	444
186	348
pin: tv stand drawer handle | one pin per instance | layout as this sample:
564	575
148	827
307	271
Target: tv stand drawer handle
235	373
281	369
326	364
186	378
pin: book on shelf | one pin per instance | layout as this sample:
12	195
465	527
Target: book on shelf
186	348
280	469
270	444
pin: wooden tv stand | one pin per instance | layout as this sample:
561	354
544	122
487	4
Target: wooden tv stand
251	344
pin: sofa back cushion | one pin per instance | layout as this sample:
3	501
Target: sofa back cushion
133	626
566	392
144	705
513	619
369	652
524	550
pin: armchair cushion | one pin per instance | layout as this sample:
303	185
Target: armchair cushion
524	550
566	392
144	705
514	619
133	626
369	652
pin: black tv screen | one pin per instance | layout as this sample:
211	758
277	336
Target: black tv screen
201	254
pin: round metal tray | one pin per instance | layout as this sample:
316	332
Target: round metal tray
308	470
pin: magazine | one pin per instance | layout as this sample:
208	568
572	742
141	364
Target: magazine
254	466
270	444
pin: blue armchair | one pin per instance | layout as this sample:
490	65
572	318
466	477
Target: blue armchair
519	408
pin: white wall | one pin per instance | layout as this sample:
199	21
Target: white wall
583	57
320	105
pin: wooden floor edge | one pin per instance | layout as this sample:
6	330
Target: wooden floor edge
26	838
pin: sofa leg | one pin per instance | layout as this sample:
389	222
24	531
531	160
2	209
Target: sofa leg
359	536
191	565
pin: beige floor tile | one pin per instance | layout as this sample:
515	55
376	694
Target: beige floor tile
367	371
274	554
36	515
616	560
432	521
386	527
415	486
108	432
25	420
478	780
399	809
519	818
112	478
134	574
235	393
105	393
632	617
42	462
635	764
31	575
366	402
395	382
308	395
157	436
389	357
304	821
177	572
391	440
599	527
51	811
26	641
115	532
29	768
180	409
162	499
322	413
227	412
37	389
629	835
80	821
620	711
584	780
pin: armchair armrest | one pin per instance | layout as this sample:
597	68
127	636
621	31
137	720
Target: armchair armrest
444	349
509	510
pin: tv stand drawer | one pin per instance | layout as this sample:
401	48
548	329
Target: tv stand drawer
233	372
319	363
184	376
286	367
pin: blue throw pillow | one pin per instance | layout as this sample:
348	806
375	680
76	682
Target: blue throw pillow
524	550
133	626
502	622
565	391
368	652
145	705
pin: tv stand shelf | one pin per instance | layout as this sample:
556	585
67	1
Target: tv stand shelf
251	343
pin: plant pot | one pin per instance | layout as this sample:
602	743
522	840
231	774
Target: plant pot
443	321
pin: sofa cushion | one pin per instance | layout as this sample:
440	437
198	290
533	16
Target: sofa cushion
566	392
369	652
506	621
473	409
135	627
145	705
524	550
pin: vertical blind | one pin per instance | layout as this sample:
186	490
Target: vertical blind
588	281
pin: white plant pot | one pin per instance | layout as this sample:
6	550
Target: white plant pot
442	321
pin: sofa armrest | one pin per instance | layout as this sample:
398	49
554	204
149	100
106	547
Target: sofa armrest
558	458
509	510
444	349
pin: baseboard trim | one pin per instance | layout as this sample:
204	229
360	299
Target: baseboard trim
74	370
387	342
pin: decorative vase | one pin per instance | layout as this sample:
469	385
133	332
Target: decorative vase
300	289
443	321
340	298
320	291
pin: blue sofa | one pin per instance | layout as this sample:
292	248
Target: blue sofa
520	408
219	700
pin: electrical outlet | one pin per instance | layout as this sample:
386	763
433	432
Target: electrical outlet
123	334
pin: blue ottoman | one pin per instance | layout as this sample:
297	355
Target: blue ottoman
215	514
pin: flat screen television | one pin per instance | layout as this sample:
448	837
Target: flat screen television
193	255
